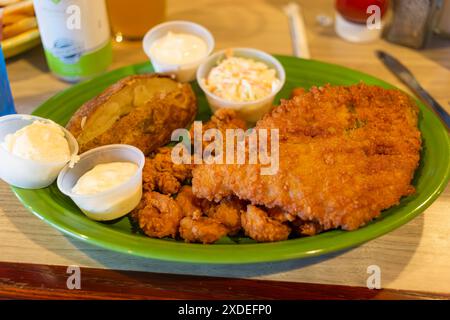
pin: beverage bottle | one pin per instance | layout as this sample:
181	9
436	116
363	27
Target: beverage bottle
76	37
360	20
6	100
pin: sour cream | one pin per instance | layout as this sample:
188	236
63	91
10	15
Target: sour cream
103	177
178	49
39	141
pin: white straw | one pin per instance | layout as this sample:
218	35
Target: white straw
297	29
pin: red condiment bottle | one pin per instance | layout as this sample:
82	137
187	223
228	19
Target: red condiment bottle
360	20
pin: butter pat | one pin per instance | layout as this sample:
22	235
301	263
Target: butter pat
39	141
104	176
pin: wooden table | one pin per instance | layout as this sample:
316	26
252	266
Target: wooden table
414	259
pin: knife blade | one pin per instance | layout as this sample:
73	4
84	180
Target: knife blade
406	76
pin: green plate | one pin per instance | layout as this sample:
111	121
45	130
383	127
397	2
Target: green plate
59	211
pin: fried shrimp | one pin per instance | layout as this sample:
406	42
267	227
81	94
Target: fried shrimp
161	174
259	226
201	229
158	215
280	215
228	212
306	228
190	204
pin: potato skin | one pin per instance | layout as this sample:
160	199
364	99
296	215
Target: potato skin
140	110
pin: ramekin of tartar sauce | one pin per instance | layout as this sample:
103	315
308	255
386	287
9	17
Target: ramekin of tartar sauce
33	150
106	182
244	79
178	48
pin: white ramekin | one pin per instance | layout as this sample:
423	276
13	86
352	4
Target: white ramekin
109	204
25	173
183	72
250	111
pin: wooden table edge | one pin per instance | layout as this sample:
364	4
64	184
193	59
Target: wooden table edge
38	281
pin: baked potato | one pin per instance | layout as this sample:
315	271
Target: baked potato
140	110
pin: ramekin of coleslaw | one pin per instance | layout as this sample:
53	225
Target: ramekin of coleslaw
244	79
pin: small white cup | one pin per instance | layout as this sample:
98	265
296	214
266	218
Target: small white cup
251	111
183	72
109	204
25	173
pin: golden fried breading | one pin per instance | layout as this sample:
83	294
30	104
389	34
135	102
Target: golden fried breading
161	174
280	215
158	215
228	212
346	153
306	228
201	229
260	227
297	92
189	204
222	120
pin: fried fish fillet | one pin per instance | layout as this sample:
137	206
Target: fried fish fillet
346	153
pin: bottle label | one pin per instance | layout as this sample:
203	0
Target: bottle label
75	35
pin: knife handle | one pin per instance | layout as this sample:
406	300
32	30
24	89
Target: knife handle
437	108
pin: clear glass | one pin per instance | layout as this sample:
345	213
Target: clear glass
131	19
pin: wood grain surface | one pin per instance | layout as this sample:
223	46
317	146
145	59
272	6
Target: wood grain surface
414	257
35	283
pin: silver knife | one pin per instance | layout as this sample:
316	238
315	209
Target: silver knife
410	81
